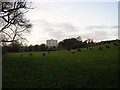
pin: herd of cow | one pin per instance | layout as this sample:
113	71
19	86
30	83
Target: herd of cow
72	51
32	54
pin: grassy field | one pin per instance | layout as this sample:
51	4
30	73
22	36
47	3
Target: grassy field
62	69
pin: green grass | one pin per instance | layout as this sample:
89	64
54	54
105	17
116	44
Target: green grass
62	69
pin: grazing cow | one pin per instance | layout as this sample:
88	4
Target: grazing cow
90	49
87	47
43	54
21	55
30	54
107	46
100	48
79	50
115	44
73	52
49	52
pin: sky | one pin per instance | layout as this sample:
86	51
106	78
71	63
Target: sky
97	20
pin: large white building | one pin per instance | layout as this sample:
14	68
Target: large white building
51	43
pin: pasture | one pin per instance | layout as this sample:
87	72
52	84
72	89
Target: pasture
62	69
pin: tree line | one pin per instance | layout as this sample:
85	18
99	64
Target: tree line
19	47
66	44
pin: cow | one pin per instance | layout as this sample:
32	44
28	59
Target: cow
107	46
90	49
30	54
100	48
43	54
49	52
115	44
87	47
79	50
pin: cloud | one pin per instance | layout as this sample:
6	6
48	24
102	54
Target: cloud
67	27
57	30
100	32
101	27
44	30
96	35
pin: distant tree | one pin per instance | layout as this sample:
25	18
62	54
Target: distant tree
43	47
26	48
31	48
90	42
85	43
36	48
15	47
61	44
70	44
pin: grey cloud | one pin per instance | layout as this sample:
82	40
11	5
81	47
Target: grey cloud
58	30
101	27
61	31
67	26
97	35
62	26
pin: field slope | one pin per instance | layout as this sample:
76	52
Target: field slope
62	69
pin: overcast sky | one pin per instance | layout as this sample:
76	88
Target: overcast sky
68	19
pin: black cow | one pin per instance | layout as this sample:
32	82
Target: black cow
87	47
107	46
115	44
73	52
21	55
49	52
30	54
79	50
90	49
43	54
100	48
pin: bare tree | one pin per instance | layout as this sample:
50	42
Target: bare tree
13	24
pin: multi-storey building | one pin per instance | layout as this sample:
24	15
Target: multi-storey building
51	43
